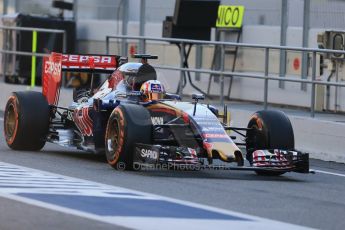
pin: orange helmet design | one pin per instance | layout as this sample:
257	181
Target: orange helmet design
152	90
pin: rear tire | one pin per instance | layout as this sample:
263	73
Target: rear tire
127	125
272	129
26	121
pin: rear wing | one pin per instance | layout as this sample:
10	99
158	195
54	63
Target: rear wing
90	63
56	63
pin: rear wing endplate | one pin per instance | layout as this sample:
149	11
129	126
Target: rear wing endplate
56	63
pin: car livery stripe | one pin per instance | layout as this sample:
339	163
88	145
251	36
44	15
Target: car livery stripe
83	121
87	122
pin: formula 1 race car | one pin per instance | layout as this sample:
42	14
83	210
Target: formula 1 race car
136	123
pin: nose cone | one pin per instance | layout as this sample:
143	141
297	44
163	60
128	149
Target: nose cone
228	152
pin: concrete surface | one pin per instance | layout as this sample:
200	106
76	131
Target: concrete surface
315	201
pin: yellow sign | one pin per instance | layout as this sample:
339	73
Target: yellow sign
230	16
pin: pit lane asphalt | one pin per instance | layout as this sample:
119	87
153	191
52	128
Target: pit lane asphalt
313	200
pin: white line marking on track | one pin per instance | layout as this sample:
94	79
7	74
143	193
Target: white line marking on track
329	173
136	222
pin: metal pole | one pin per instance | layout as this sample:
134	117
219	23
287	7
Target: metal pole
266	77
125	6
336	88
75	10
306	24
222	57
200	42
30	29
23	53
64	49
33	59
180	84
312	105
107	45
142	47
64	42
4	6
198	60
16	6
4	56
283	31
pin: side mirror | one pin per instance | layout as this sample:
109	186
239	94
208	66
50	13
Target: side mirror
198	96
122	60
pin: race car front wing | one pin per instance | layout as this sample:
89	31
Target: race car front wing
182	157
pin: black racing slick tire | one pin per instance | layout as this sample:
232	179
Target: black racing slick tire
127	125
26	121
270	129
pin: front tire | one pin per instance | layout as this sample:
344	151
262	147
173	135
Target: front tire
127	125
26	121
271	129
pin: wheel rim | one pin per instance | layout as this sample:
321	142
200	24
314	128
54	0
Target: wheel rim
11	123
113	140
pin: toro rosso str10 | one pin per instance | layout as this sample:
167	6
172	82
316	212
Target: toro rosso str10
135	122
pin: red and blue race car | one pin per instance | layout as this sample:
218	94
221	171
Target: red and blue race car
133	121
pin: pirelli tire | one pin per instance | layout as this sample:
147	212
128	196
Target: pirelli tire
128	124
270	129
26	121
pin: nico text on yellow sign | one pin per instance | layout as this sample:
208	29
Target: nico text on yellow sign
230	16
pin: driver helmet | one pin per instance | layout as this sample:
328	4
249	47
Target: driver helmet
135	74
152	90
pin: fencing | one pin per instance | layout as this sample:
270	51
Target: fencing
7	49
264	76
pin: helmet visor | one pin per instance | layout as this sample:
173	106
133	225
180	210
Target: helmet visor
155	96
